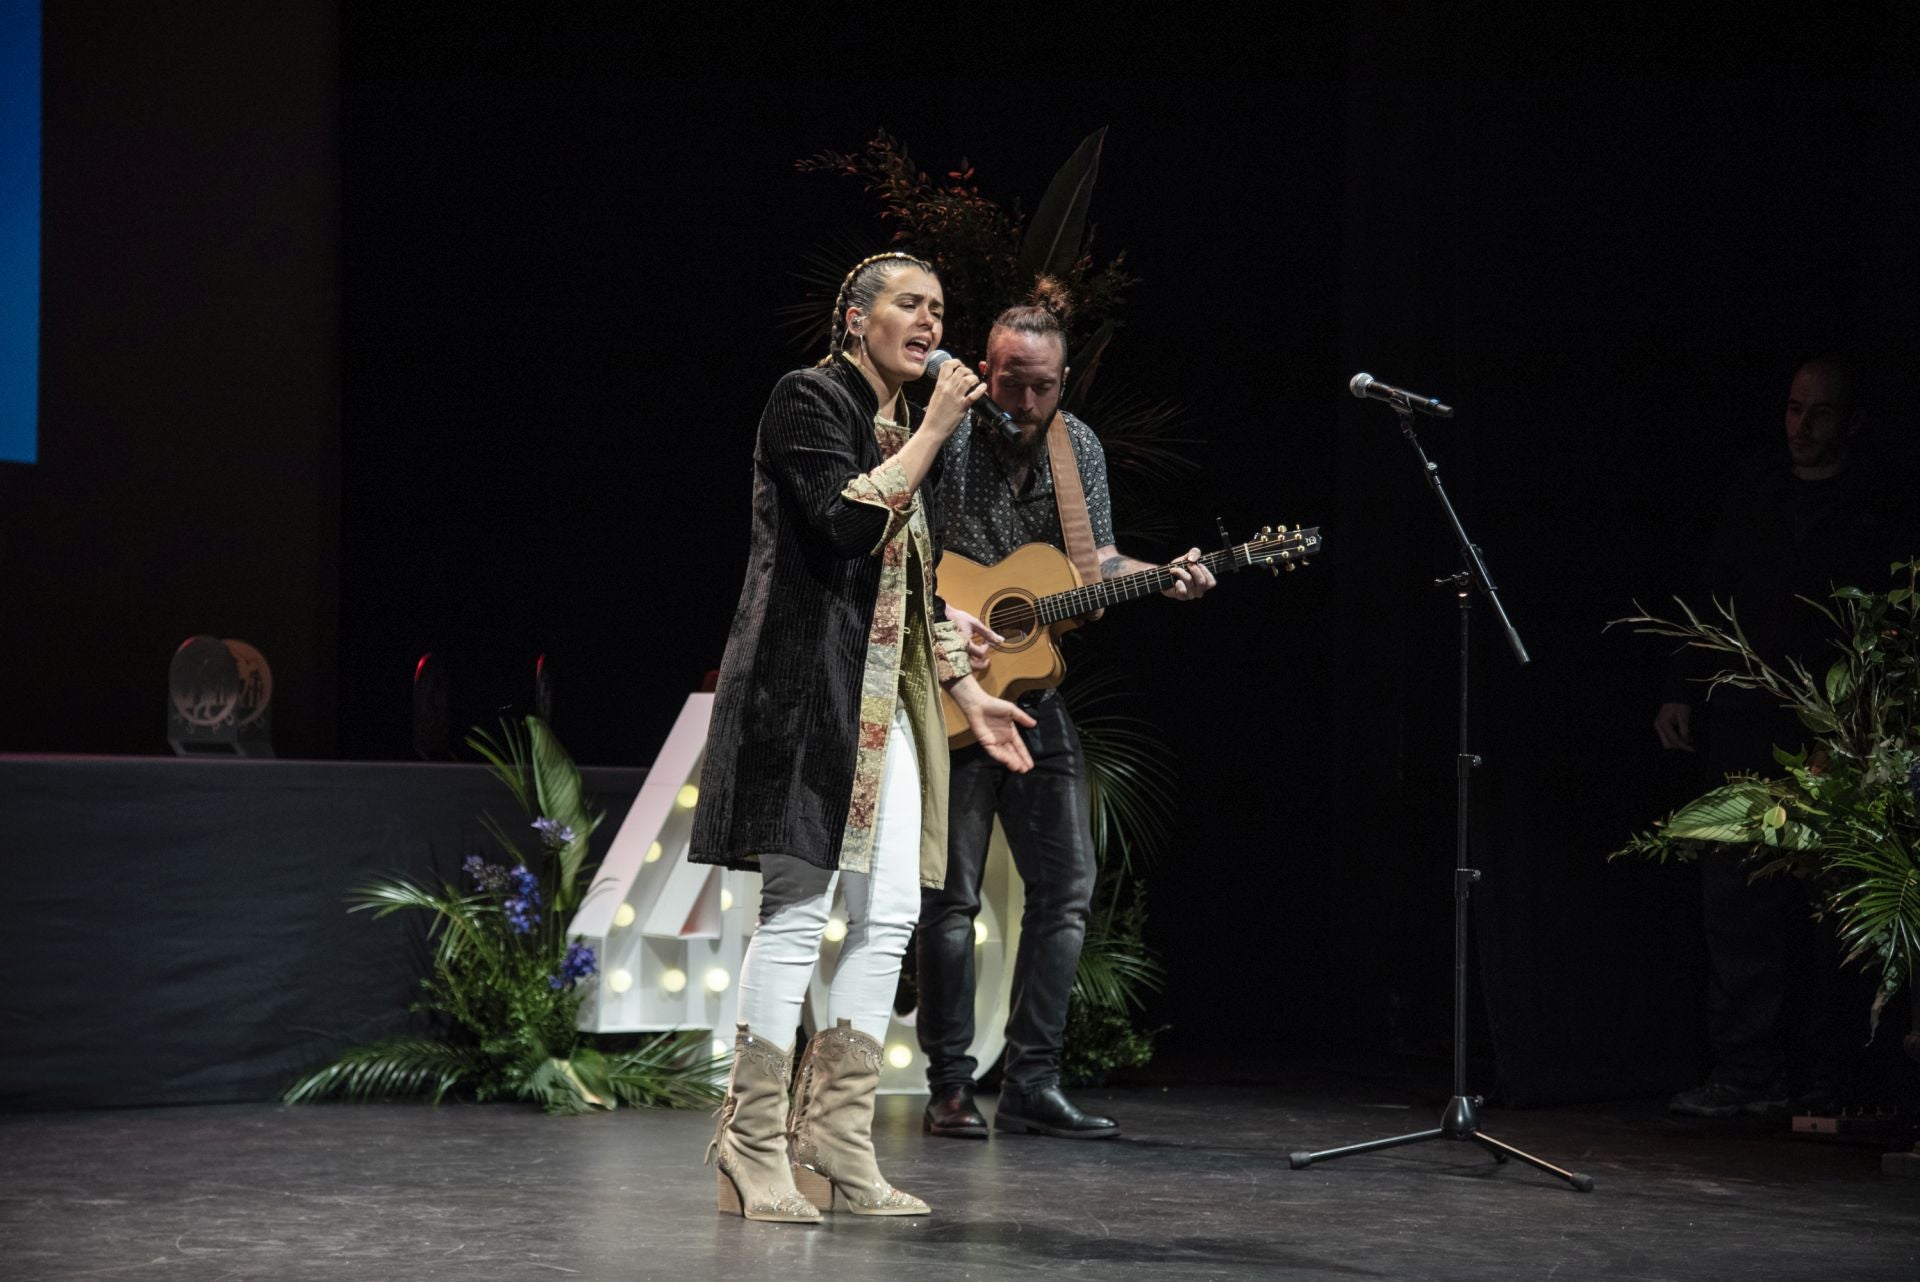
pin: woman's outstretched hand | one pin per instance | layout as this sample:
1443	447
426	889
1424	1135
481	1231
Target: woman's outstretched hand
995	724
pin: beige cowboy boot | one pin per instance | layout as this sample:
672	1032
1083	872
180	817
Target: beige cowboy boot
831	1126
750	1140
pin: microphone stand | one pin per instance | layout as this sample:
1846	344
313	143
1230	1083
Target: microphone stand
1461	1119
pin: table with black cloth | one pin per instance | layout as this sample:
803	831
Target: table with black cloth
175	931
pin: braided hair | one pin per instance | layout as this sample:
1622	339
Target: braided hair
1046	311
860	289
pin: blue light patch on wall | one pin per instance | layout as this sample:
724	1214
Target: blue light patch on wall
19	230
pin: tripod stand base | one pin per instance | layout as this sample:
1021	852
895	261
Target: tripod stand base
1458	1123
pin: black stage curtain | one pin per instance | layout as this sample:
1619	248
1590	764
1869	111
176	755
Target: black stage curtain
1609	268
175	932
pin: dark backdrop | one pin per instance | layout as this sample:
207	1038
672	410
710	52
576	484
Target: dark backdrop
190	375
561	259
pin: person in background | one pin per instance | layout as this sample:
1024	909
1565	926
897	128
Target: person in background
1800	523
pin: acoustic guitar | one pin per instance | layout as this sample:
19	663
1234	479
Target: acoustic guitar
1034	595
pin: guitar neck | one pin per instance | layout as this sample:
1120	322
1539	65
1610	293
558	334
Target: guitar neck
1075	602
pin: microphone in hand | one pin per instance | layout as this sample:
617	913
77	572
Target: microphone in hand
984	404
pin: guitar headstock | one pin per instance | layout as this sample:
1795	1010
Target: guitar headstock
1280	548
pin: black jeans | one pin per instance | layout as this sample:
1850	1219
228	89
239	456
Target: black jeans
1045	814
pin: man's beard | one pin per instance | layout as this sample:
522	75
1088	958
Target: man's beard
1022	449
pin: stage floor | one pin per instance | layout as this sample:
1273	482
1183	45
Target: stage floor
1198	1188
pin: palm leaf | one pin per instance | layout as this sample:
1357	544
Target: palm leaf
395	1068
1086	364
507	756
674	1070
1113	977
1879	905
1730	813
1143	436
1147	453
1116	968
557	783
556	1086
503	838
1053	237
454	918
1131	774
822	269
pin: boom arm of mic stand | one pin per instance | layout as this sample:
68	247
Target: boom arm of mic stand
1475	564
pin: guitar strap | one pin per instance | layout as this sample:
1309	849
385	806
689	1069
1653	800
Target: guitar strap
1076	525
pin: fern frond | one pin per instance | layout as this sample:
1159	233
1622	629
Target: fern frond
1116	980
507	756
674	1070
454	924
1131	773
396	1068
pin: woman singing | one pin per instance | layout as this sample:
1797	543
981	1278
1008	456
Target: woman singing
827	757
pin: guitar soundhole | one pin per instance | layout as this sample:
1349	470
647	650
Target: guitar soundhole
1013	618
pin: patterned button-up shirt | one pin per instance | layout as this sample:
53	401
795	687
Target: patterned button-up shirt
986	520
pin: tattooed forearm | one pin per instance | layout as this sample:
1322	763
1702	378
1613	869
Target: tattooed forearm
1113	566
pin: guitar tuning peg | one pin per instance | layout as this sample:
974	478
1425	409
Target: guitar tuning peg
1291	567
1273	569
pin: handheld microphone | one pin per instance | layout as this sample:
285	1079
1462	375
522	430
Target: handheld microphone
939	357
1367	387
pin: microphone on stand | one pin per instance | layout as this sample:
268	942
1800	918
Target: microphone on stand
1369	388
939	357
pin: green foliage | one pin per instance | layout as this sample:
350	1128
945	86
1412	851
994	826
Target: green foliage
1131	777
1100	1039
503	981
1129	772
1843	813
1116	969
394	1068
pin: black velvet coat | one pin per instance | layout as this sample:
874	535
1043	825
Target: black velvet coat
781	748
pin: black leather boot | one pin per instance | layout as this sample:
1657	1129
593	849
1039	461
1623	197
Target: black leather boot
951	1111
1048	1111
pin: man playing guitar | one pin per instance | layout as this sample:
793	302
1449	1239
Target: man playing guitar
1000	493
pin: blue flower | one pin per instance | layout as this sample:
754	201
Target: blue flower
525	883
521	915
554	833
578	964
521	907
487	876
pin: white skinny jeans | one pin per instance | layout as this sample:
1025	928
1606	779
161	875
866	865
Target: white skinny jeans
882	906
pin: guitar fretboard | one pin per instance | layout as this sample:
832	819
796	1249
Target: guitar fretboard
1087	598
1075	602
